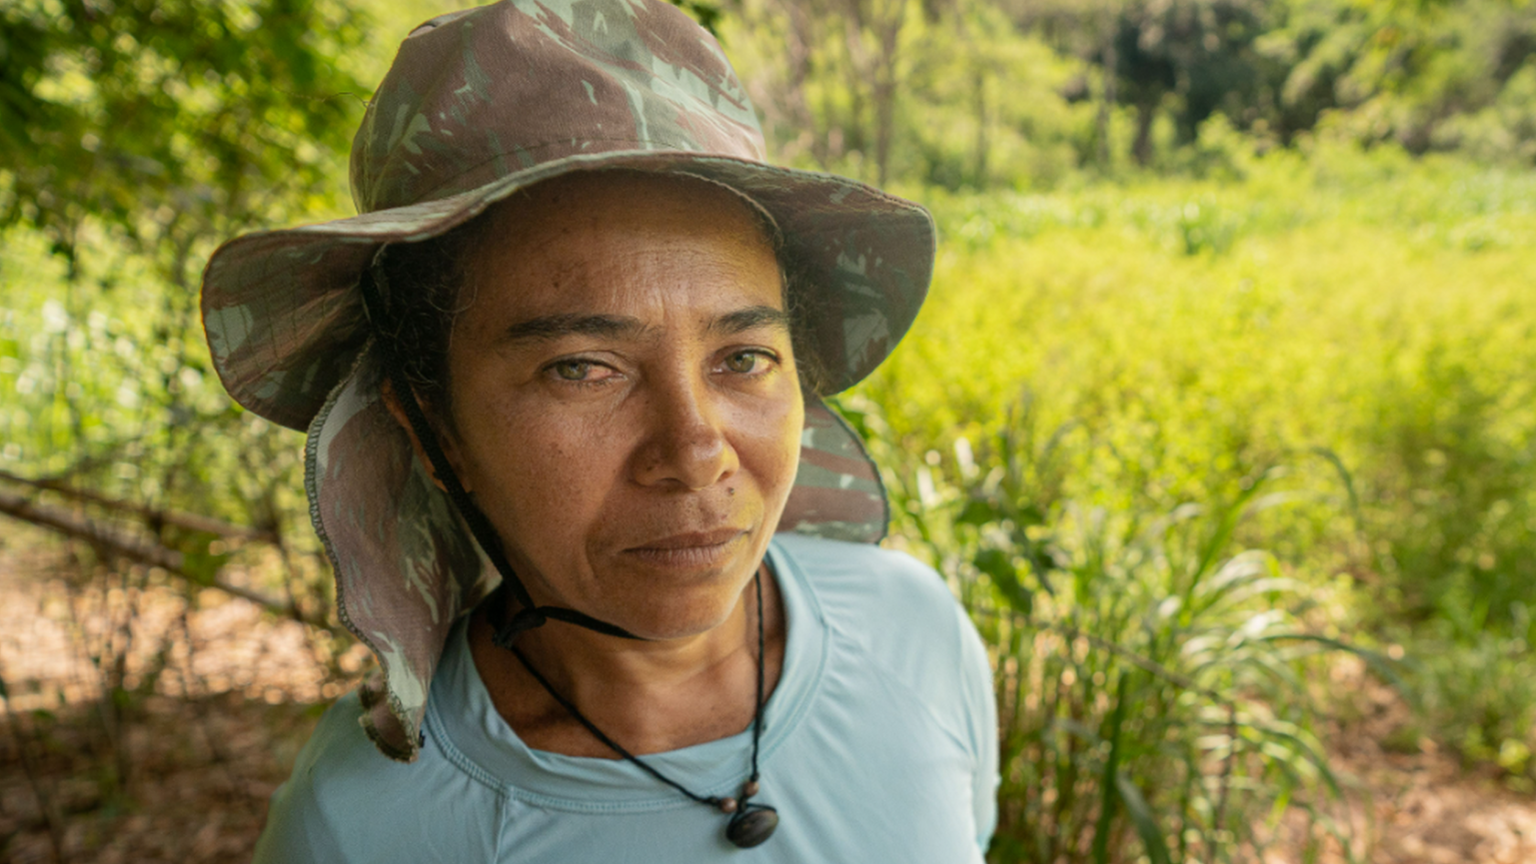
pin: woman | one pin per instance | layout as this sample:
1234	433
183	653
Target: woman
566	449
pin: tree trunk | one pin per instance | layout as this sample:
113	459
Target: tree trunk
1146	112
889	33
983	145
1111	62
800	46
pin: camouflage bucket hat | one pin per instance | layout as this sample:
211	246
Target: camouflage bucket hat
477	106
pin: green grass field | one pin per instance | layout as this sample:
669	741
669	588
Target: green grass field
1194	334
1116	388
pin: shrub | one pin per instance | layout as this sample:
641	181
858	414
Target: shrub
1151	680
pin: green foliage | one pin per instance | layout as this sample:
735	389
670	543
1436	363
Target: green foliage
144	133
156	118
138	135
1151	680
952	94
1407	72
982	106
1361	319
1021	93
1185	60
1479	695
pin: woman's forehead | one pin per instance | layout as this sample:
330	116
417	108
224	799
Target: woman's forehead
623	245
594	202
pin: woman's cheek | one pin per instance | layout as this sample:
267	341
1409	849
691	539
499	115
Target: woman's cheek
778	447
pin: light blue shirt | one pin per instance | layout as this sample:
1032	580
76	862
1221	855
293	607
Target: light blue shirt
879	745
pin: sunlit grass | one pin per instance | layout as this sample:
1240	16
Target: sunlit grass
1356	334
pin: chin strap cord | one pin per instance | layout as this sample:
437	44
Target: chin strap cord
750	823
529	616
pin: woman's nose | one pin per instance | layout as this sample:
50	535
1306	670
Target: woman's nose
685	443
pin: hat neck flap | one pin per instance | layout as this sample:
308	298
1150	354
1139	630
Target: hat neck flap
405	564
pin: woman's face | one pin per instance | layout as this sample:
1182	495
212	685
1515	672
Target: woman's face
625	405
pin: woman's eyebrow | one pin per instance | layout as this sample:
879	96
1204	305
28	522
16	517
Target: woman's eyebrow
557	326
749	318
550	327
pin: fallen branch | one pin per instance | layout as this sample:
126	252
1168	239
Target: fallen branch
138	550
150	515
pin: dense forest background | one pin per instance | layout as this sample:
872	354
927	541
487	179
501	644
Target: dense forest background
1220	418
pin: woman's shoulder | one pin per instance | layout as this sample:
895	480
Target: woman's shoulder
896	609
895	616
868	581
345	801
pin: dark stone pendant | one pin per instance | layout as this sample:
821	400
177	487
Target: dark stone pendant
753	824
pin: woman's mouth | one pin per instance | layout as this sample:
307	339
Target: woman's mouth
690	549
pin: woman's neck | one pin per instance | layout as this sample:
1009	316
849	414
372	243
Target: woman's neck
649	696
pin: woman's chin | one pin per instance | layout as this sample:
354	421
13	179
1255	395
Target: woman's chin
675	596
680	612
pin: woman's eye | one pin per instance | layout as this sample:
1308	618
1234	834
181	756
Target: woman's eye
572	370
745	362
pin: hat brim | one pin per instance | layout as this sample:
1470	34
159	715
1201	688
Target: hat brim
406	567
285	320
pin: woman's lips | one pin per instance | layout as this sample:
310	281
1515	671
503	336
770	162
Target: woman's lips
690	549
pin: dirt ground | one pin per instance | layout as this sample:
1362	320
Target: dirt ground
202	749
1412	802
206	746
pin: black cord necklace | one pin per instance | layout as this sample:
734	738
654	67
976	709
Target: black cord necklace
750	824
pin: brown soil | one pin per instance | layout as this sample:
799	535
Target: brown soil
220	727
1410	801
203	747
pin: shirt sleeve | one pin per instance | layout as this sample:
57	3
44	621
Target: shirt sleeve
297	830
347	803
981	708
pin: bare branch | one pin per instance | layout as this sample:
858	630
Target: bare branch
151	516
132	548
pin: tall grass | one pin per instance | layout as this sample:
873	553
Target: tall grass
1327	358
1151	675
1360	305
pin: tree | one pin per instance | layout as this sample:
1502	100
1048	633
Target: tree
1187	58
141	132
138	133
848	53
166	120
1414	71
